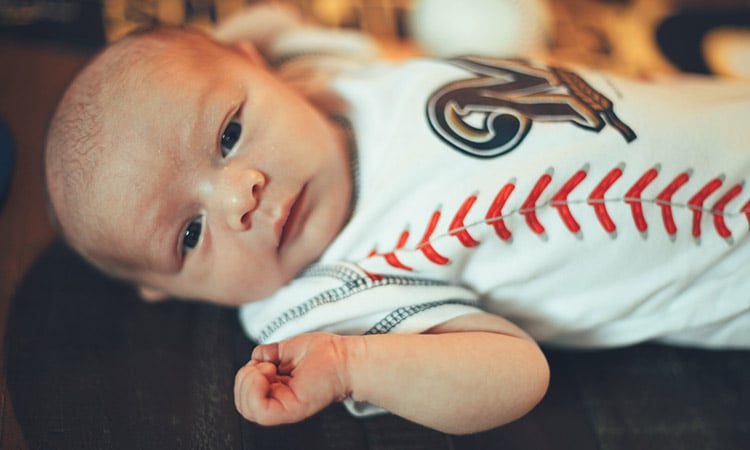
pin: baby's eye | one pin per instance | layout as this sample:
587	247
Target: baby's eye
229	137
192	234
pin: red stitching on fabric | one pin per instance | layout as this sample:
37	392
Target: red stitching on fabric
596	199
633	198
426	247
457	227
560	200
528	209
664	200
391	256
494	215
718	211
696	203
374	276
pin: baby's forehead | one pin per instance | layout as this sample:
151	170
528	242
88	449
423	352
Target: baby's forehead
151	92
168	45
167	70
131	200
135	60
98	124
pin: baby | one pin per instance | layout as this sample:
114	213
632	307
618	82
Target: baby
376	248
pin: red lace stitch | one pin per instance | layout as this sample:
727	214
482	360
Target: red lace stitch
374	276
696	203
664	200
718	211
528	209
596	199
457	227
633	198
494	216
560	200
426	247
391	257
495	212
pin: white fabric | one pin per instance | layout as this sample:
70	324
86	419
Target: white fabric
596	287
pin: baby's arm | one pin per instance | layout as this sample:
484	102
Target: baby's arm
469	374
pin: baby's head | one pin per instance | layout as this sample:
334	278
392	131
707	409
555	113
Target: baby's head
185	166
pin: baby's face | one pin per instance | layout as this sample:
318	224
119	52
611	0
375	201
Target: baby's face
221	183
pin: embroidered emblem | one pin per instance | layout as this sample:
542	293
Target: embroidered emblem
491	114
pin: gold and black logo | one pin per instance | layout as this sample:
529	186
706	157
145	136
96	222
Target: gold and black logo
490	114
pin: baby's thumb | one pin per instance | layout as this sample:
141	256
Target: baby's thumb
266	352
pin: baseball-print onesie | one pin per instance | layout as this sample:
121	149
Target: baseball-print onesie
593	211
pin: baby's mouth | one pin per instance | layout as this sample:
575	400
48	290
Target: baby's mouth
288	217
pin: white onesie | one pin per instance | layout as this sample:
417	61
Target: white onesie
593	211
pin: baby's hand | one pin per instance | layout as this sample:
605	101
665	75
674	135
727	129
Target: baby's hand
292	380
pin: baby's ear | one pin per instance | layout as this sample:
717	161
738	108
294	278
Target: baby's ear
251	52
151	295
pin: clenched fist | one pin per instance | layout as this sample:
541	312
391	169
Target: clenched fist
293	379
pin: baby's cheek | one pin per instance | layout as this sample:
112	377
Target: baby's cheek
244	286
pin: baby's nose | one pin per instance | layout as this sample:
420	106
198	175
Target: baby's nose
242	196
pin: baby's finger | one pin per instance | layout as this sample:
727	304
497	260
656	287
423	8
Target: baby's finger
267	369
261	400
252	383
267	352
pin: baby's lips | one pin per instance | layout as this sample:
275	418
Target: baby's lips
287	217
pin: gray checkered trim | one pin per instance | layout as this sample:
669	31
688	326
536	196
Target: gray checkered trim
352	283
389	322
339	272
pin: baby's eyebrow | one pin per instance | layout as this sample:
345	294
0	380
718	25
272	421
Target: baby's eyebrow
205	125
160	228
156	255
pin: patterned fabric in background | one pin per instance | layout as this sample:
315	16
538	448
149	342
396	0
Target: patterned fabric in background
380	17
614	35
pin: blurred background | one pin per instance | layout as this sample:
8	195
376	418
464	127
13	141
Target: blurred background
625	35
